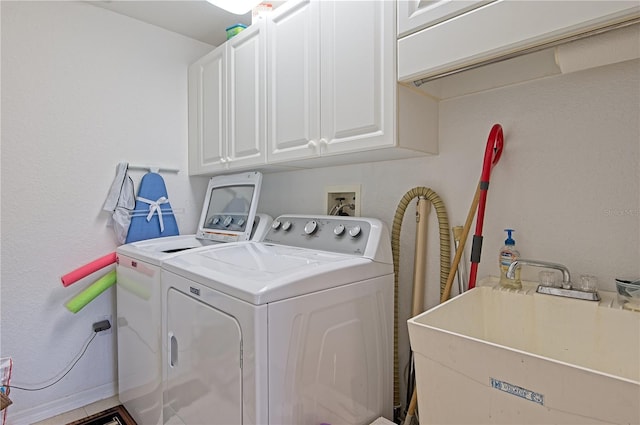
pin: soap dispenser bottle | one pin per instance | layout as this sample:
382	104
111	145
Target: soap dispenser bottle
509	254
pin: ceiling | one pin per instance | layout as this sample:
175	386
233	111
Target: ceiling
196	19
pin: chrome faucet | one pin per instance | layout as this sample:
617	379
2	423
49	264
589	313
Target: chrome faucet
566	277
567	289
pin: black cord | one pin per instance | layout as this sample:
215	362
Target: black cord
84	350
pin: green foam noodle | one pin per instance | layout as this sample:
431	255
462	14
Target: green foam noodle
78	302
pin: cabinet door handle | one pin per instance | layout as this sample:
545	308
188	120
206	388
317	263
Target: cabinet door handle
223	160
173	350
312	145
323	145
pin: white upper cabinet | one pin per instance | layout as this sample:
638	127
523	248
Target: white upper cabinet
227	105
294	81
332	86
246	99
357	62
312	85
415	15
502	28
208	113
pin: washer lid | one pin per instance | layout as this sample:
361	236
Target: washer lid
260	273
230	207
154	251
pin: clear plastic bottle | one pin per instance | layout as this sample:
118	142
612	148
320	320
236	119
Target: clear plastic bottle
509	254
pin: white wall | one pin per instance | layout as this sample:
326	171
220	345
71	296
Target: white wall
568	180
83	88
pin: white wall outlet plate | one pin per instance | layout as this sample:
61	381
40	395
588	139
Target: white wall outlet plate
342	200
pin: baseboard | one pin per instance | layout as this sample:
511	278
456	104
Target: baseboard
65	404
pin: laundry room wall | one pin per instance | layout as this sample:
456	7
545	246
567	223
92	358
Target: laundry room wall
83	89
568	181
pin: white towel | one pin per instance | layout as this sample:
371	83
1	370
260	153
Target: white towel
122	214
111	202
121	200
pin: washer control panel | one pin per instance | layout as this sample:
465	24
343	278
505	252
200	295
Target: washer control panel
347	235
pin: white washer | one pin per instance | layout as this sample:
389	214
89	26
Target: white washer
228	215
297	329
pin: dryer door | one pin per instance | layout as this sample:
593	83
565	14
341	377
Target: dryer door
204	374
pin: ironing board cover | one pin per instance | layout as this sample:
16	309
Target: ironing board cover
152	200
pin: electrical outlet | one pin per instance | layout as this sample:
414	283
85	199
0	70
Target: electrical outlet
343	200
108	331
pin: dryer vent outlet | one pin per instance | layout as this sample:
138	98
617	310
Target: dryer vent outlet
343	200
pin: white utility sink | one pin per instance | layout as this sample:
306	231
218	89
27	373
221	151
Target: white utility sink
514	356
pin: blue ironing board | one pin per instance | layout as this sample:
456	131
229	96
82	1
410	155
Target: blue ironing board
152	188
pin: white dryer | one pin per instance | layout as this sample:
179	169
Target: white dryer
228	215
297	329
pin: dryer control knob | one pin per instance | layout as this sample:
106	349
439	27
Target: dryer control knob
354	231
227	221
310	227
286	226
241	221
338	230
275	225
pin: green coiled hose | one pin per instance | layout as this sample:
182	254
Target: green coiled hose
445	262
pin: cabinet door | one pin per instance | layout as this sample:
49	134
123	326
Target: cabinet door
246	69
294	81
478	37
207	113
358	75
413	15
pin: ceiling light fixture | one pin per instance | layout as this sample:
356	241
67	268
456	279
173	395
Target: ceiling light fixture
238	7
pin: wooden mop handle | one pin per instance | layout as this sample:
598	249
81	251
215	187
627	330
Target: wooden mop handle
412	408
463	239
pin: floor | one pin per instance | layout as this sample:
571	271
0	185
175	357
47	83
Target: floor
81	412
